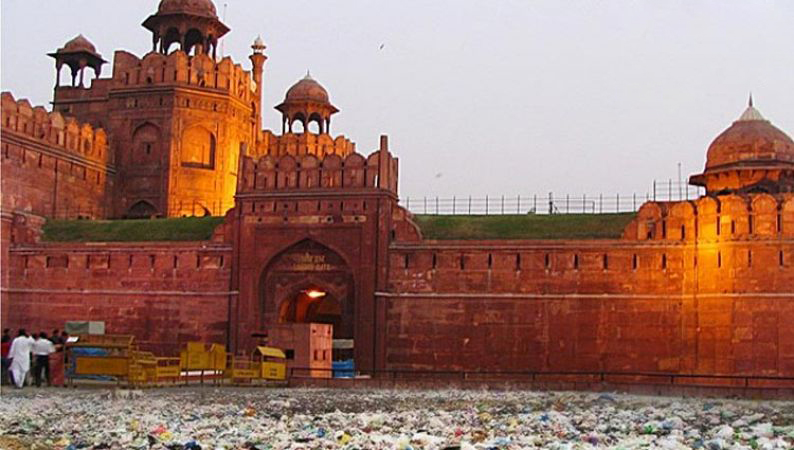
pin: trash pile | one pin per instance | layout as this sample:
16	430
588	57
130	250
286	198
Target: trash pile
260	419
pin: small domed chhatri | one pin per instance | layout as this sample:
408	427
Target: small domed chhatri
306	102
190	24
78	53
307	89
752	155
78	44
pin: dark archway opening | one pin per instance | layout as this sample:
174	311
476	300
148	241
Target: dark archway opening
312	305
142	210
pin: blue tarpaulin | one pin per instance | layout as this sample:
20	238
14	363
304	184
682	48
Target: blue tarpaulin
344	369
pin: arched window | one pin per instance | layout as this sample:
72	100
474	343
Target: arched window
171	36
297	124
198	148
315	124
192	39
145	142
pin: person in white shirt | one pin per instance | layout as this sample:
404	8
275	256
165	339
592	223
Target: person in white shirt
42	348
20	357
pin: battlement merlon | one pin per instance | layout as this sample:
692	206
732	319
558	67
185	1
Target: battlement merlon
298	144
52	129
275	172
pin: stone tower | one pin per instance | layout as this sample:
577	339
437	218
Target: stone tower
312	226
177	118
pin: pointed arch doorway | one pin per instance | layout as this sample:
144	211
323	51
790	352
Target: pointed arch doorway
309	283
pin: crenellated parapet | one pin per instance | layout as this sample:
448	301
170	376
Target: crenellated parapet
716	218
179	68
288	172
54	131
302	144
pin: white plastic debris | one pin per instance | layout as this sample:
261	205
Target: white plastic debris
266	419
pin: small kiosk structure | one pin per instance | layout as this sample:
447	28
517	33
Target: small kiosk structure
308	348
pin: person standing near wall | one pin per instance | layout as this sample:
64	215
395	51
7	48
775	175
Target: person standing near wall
42	348
20	357
5	348
55	338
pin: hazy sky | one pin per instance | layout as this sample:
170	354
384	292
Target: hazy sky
482	97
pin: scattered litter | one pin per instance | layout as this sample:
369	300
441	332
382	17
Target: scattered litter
269	419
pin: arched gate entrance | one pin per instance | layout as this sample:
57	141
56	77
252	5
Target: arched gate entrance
309	282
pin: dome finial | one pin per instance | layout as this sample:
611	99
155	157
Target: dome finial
750	114
308	75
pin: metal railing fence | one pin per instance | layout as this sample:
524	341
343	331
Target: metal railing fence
551	203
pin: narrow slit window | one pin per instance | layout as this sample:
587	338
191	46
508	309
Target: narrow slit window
490	261
634	262
176	261
518	261
435	261
718	225
606	261
683	232
781	259
576	262
548	261
719	259
664	229
749	258
462	262
664	261
750	224
405	261
733	227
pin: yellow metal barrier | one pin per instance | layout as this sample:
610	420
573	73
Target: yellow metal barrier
241	370
272	363
115	358
168	369
99	356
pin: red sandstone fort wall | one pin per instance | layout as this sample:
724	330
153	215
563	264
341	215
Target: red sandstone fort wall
51	165
662	299
163	294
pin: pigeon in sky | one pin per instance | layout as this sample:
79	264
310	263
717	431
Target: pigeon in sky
381	46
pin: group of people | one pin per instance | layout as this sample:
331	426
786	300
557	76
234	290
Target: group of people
25	352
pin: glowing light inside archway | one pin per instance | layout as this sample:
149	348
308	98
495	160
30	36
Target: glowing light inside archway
314	293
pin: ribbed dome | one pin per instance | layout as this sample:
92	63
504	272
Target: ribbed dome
750	139
78	44
195	7
307	89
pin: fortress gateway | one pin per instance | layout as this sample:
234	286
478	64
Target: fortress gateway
693	287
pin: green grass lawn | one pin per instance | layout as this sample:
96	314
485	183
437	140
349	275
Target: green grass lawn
526	226
177	229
